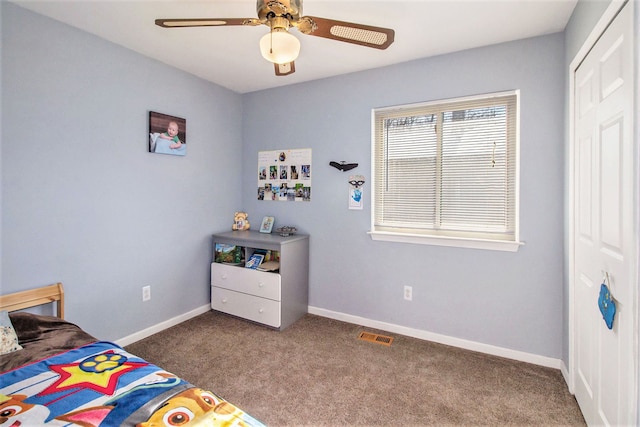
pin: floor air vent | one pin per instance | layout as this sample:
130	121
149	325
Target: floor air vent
375	338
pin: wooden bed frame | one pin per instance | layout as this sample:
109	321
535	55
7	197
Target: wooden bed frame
35	297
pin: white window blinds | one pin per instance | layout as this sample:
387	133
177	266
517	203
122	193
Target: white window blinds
447	168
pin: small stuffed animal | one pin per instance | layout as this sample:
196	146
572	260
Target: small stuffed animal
240	221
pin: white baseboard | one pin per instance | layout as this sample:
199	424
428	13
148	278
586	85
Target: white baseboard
564	369
402	330
162	326
535	359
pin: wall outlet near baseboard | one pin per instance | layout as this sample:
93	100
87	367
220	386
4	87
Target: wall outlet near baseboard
146	293
408	293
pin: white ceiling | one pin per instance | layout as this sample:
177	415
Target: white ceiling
229	56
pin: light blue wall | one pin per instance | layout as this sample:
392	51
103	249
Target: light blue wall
1	210
511	300
585	16
83	201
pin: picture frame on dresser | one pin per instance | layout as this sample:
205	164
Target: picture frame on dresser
267	224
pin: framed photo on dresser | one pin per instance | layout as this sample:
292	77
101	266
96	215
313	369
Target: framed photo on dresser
267	224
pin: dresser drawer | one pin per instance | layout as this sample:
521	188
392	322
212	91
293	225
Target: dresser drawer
246	280
250	307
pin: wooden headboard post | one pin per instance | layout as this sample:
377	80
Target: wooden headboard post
35	297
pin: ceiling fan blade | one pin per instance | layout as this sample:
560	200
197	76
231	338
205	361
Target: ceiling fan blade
364	35
285	69
205	22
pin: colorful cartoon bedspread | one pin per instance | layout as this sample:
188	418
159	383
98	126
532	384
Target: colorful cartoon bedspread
101	384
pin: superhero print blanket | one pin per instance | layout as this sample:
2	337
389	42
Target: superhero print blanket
100	384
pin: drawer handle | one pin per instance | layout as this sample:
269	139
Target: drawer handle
224	276
224	300
261	311
260	284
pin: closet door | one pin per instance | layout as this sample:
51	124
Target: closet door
604	234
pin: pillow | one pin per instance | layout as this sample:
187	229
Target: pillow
8	337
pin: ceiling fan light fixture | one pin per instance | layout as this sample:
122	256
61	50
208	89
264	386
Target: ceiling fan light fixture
279	46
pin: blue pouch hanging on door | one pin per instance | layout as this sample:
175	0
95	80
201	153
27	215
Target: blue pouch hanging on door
607	305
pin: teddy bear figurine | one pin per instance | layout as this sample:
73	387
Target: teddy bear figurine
240	221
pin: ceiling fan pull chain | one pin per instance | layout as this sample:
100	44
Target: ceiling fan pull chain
271	37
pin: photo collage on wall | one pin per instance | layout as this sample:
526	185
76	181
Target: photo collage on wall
285	175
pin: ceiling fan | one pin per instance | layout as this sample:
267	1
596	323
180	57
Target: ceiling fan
281	47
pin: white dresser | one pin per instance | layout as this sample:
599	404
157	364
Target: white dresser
276	299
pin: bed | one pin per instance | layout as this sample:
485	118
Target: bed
56	374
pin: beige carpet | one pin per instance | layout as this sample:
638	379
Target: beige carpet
318	373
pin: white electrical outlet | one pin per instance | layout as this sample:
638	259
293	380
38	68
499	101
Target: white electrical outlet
146	293
408	293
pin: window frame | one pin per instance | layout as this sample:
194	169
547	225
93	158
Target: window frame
434	237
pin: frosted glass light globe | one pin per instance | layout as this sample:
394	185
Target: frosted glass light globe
279	47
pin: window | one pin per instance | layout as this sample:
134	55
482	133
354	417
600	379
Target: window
446	172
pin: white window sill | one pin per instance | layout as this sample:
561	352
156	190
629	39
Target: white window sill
493	245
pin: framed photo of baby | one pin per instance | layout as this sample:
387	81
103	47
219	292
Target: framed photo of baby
167	134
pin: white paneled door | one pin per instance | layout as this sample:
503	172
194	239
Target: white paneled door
604	233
